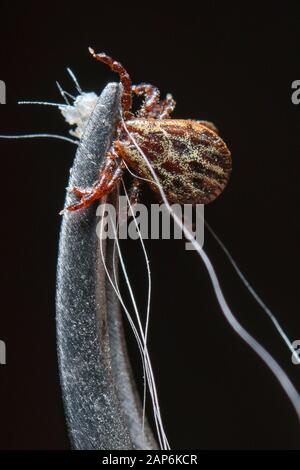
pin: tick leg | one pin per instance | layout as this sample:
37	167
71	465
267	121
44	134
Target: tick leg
153	108
125	79
135	191
167	107
151	94
109	176
79	192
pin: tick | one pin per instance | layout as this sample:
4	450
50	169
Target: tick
191	161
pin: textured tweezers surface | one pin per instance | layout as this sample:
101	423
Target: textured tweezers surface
100	398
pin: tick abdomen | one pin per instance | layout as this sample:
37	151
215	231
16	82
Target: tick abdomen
192	162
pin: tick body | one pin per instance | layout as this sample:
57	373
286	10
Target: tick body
191	161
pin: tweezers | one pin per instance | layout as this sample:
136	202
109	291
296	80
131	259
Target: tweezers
101	402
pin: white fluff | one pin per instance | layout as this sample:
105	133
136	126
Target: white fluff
79	112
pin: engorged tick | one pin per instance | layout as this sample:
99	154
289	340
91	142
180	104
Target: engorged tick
191	161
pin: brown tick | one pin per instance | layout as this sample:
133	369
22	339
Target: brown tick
191	161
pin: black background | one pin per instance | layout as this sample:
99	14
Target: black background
228	65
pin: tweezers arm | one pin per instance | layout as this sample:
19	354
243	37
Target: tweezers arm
101	403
